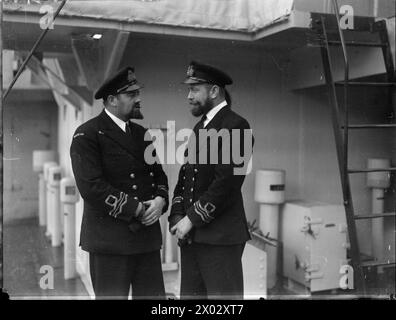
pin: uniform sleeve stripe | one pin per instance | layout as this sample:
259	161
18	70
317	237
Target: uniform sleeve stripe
202	214
204	210
78	135
198	209
118	204
206	214
116	210
177	200
121	204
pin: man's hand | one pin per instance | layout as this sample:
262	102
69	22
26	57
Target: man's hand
182	228
154	210
139	211
173	220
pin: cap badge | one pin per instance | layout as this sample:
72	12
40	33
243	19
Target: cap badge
131	76
190	71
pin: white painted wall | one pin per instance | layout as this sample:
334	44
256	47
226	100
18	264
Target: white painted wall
27	126
30	123
27	80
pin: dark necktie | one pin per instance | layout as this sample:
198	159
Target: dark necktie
200	124
128	127
195	132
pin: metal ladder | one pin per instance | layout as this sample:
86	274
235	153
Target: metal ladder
323	25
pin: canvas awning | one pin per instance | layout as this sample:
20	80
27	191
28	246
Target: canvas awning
246	16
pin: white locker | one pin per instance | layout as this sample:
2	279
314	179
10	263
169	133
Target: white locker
314	237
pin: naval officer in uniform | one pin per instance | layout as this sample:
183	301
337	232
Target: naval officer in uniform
207	213
124	197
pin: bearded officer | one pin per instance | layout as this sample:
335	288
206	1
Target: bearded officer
207	213
124	197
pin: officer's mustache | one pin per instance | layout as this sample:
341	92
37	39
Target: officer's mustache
136	113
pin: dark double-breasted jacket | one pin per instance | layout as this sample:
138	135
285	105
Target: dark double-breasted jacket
210	193
112	177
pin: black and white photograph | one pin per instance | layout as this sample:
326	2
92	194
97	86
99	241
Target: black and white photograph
221	152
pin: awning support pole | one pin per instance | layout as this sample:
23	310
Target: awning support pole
22	67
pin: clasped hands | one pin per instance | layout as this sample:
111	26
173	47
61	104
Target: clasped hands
150	211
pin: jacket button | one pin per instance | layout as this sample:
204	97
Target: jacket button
182	188
152	174
190	200
192	189
153	185
134	187
132	175
184	177
193	179
135	198
195	170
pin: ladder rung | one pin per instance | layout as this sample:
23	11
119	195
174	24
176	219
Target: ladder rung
367	84
371	126
371	170
375	215
378	263
357	43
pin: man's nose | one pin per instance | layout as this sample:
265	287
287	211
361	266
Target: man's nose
189	96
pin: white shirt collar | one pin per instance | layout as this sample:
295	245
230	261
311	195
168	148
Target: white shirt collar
212	112
118	121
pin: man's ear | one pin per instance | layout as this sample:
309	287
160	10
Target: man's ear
111	100
214	91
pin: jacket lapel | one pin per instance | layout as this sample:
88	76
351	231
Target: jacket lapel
118	136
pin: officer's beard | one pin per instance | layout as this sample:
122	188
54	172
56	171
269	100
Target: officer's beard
200	109
135	113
